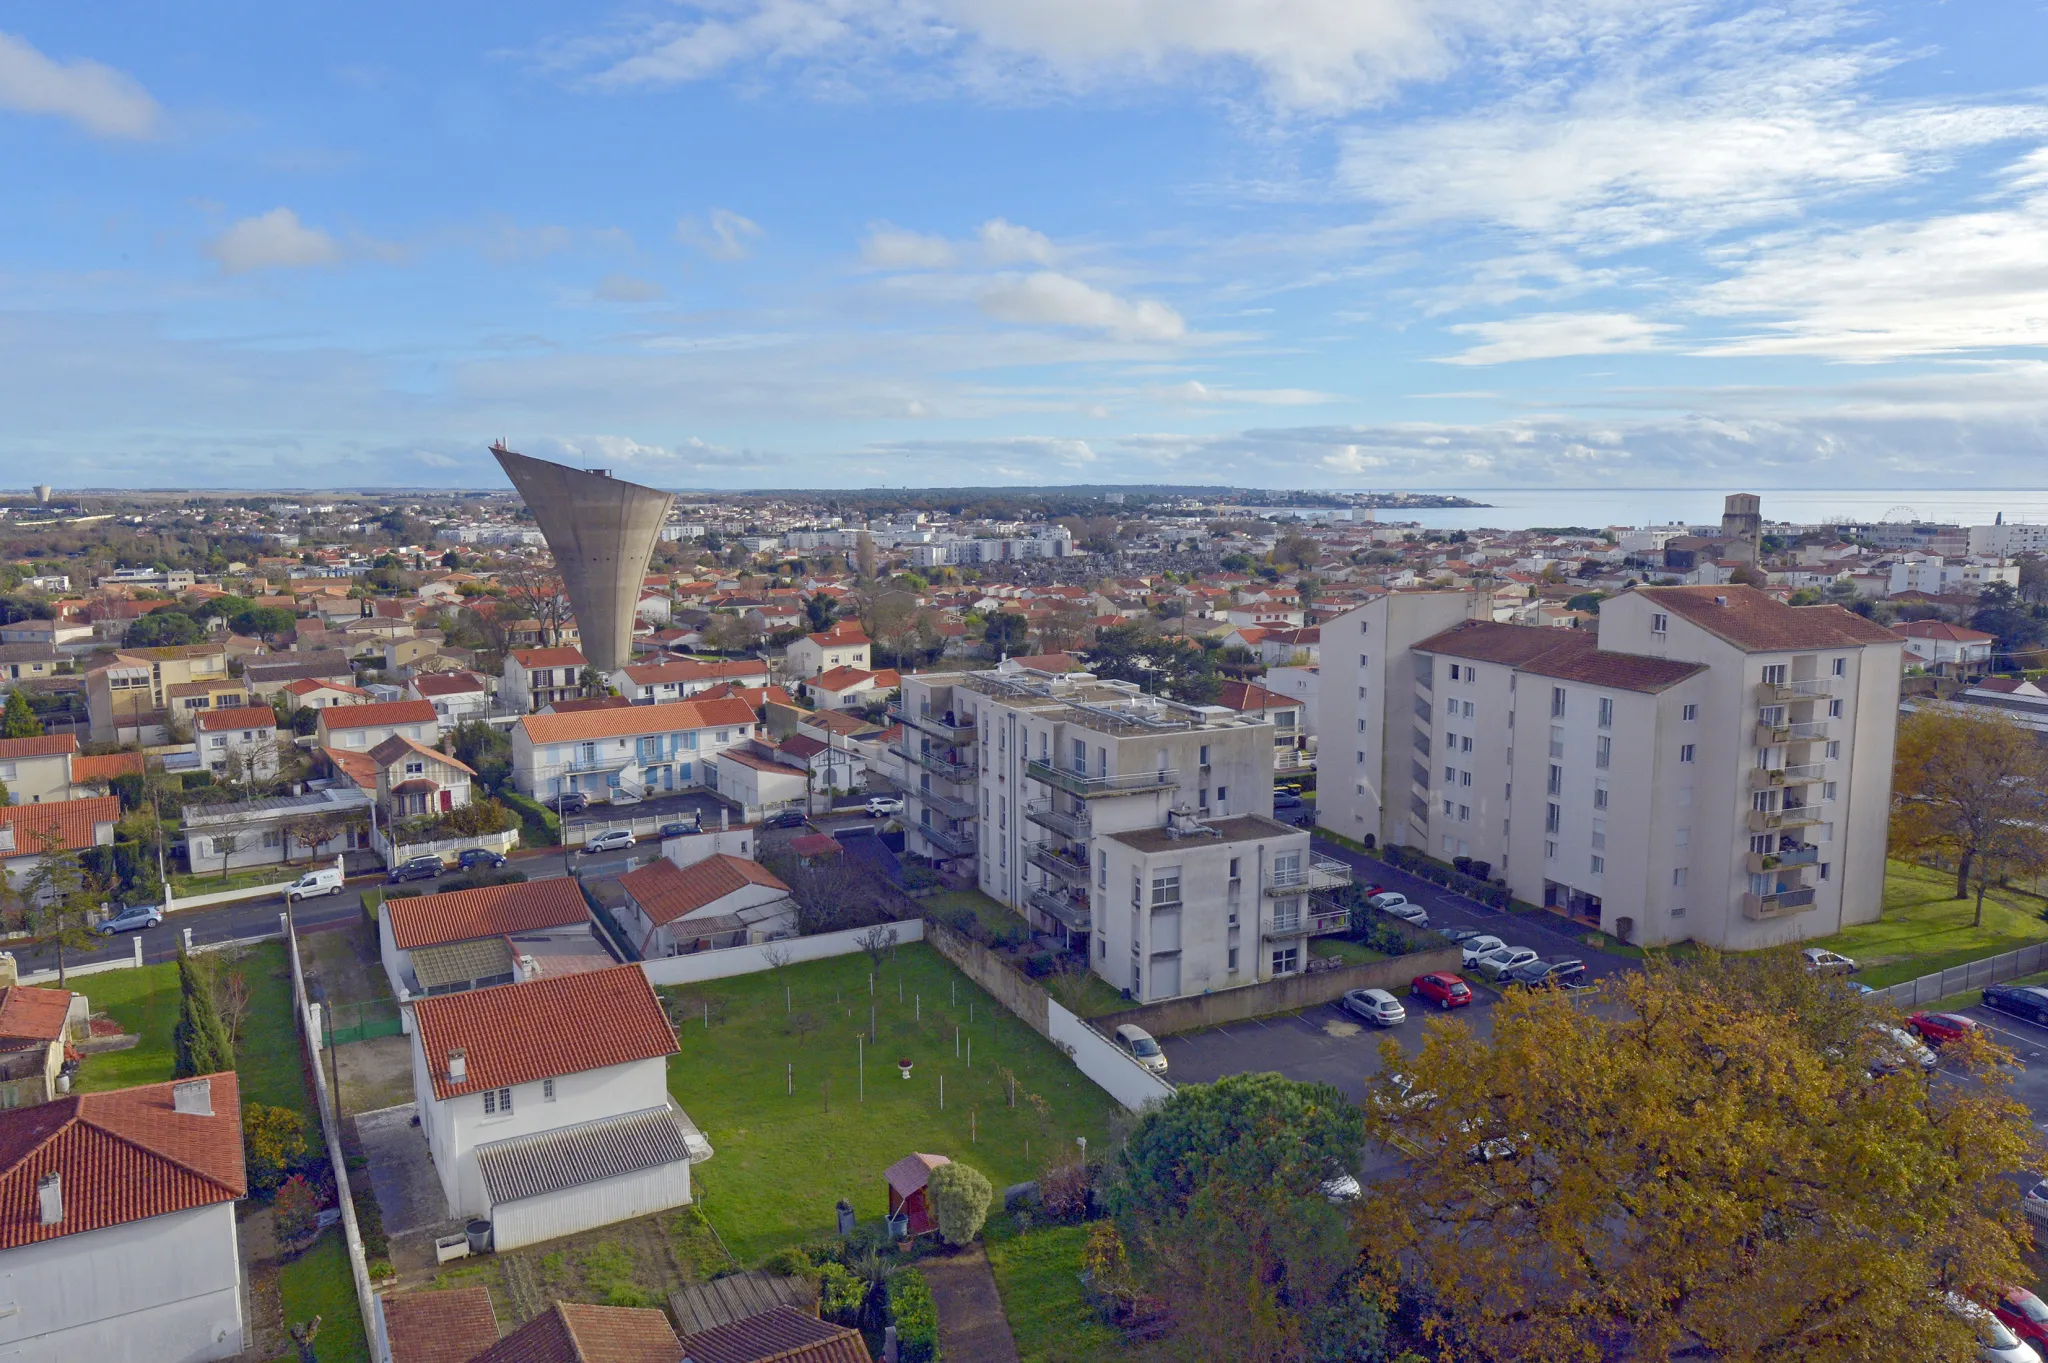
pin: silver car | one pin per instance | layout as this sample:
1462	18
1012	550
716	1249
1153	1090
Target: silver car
1478	948
1495	964
617	840
1375	1006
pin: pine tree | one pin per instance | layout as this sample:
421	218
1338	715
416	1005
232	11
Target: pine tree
19	721
200	1040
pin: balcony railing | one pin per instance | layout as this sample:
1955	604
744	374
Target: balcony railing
1046	859
1771	735
1067	823
1760	862
940	765
1767	778
944	804
1805	689
1322	918
1292	759
1800	816
1070	913
956	843
1775	905
956	730
1320	873
1093	787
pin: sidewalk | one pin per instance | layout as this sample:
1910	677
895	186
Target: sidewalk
971	1322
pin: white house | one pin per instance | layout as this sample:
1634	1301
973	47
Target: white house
363	727
316	693
844	645
1942	647
718	901
248	733
534	677
681	678
851	688
455	696
117	1225
26	830
413	779
469	939
546	1104
37	769
759	783
636	748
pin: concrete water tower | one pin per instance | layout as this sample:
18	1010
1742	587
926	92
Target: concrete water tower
1742	525
42	491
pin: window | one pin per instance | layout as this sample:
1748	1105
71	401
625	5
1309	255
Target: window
1603	751
1834	750
1450	775
1447	809
1362	664
1834	709
1600	833
1607	712
1361	726
1760	801
1361	693
1468	709
1689	714
1361	759
1464	814
1551	815
1774	674
1600	795
1556	779
1682	838
1451	707
1685	752
1454	671
1550	851
1841	667
1678	877
1557	740
1599	866
1102	870
1364	627
1166	884
1465	743
1287	961
1660	623
1557	702
1230	961
547	1090
1464	778
1205	754
498	1101
1823	871
1827	790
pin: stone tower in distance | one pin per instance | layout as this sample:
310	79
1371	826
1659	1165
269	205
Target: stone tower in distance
1742	525
602	532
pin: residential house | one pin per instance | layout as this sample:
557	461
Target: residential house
277	829
246	737
831	765
1303	686
414	779
455	696
37	769
118	1240
34	1026
573	1332
48	634
719	901
29	662
851	688
314	693
128	697
265	677
545	1104
468	939
27	832
758	783
535	677
1290	647
637	748
362	727
782	1334
681	678
1948	649
188	701
844	645
1290	741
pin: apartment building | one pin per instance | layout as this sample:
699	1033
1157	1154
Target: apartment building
1714	765
129	698
641	749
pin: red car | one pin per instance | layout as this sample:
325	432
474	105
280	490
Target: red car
1941	1028
2025	1314
1445	988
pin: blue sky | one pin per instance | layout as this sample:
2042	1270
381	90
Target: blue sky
1295	243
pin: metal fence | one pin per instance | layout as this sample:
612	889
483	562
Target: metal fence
348	1022
1972	975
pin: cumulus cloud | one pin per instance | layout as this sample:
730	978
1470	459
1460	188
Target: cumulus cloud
276	240
895	248
1549	335
99	99
726	236
1048	298
1005	243
625	288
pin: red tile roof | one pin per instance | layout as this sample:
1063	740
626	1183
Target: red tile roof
241	717
439	1327
448	683
689	670
530	658
356	766
43	745
306	686
783	1335
562	1024
377	713
845	678
1943	631
841	635
1566	654
105	767
1049	662
122	1156
33	1014
1757	622
487	911
758	762
1250	696
570	1332
76	823
665	891
631	720
398	745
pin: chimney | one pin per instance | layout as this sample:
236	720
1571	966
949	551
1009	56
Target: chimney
50	1197
194	1097
458	1066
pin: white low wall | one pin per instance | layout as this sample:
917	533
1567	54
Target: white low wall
1115	1073
717	965
199	901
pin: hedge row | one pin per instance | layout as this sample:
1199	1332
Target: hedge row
1489	892
916	1317
538	826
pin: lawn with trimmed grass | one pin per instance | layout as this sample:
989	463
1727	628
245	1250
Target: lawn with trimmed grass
192	884
1344	949
1038	1275
783	1159
317	1283
1923	929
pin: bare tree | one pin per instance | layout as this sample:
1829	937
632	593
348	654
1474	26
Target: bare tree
864	557
777	955
312	831
231	995
226	844
879	942
536	588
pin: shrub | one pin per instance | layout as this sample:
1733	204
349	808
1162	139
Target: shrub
841	1295
274	1140
296	1211
199	1041
1064	1187
959	1195
538	826
476	880
916	1317
789	1262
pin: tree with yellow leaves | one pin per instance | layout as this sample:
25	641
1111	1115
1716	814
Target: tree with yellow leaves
1967	786
1716	1158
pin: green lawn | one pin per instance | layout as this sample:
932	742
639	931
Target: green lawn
996	917
1924	930
782	1160
190	885
317	1283
1345	950
1038	1275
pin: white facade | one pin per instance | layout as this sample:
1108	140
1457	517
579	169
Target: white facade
1303	686
665	748
1938	576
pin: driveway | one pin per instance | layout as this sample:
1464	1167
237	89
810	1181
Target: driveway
1322	1045
402	1173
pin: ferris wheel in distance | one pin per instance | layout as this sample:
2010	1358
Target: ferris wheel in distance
1901	515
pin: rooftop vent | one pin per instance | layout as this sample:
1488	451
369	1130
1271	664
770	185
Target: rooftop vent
50	1197
1720	600
194	1097
458	1066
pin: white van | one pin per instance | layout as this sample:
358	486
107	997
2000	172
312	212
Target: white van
325	881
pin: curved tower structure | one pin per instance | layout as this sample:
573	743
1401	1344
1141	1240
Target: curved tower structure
602	532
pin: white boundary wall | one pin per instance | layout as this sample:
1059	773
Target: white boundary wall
746	960
1115	1073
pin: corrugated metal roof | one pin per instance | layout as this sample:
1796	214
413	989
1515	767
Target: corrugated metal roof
532	1166
486	958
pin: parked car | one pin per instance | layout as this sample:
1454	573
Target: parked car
1375	1006
326	880
473	857
1137	1043
1283	799
679	829
423	867
134	918
1341	1189
1399	906
1442	988
2035	1202
2025	1314
1938	1029
1477	948
1996	1343
572	801
2021	1000
622	796
1496	964
1546	975
881	806
1404	1096
1898	1048
1827	962
612	840
1460	934
785	818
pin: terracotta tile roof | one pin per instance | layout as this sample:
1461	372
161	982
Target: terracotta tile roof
398	745
758	762
122	1156
689	670
439	1327
844	678
33	1014
638	719
530	658
802	746
522	1033
43	745
665	891
816	845
578	704
912	1172
447	683
356	766
105	767
1760	623
841	635
755	696
570	1332
1250	696
835	721
75	821
487	911
377	713
1049	662
1566	654
241	717
306	686
1943	631
783	1335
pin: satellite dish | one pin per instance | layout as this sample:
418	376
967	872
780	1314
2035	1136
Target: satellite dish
1902	513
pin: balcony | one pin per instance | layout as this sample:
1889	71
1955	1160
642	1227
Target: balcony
1069	912
1068	824
614	762
956	843
1776	905
957	729
1805	855
940	765
1806	689
944	804
1321	873
1770	778
1095	787
1772	735
1287	760
1069	869
1322	918
1770	821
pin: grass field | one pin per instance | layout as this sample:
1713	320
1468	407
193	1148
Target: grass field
1342	949
317	1283
782	1160
1924	930
191	884
1038	1275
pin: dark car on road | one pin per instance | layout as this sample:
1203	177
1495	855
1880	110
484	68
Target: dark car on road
1547	975
787	818
678	829
423	867
480	856
1286	799
2020	1000
572	802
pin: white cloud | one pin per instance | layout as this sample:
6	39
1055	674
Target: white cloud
894	248
726	237
1005	243
608	450
103	101
1548	335
273	240
625	288
1195	393
1048	298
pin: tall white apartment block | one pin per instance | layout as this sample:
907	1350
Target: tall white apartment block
1714	765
